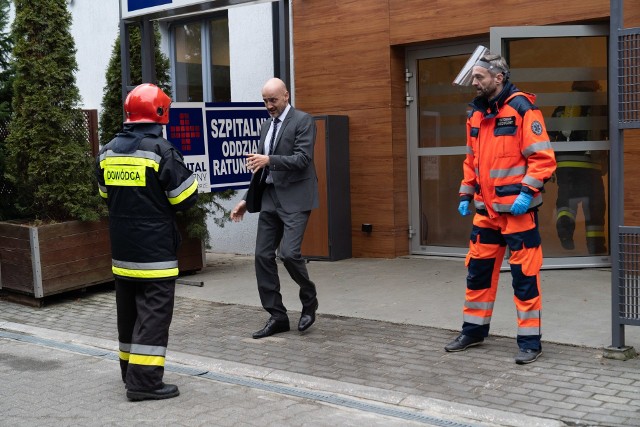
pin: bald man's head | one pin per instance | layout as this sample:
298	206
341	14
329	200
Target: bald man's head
275	96
275	84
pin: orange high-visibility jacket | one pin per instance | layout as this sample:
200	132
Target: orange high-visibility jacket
508	151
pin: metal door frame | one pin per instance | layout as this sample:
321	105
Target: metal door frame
498	35
412	57
497	39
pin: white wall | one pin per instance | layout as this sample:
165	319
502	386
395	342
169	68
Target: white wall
251	51
94	28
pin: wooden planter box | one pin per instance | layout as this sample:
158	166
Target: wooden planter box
48	259
191	255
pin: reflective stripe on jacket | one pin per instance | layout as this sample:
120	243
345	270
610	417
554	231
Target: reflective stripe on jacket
578	160
508	151
144	181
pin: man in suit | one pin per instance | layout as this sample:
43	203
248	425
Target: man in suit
284	189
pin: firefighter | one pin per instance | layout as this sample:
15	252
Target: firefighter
144	181
579	177
509	157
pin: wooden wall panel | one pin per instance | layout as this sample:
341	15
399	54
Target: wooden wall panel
413	21
375	245
631	13
344	64
316	238
339	52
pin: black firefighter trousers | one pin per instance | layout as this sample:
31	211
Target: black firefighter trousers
145	310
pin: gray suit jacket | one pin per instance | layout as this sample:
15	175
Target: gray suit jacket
291	165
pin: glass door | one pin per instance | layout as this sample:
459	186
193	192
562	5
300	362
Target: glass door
437	122
566	67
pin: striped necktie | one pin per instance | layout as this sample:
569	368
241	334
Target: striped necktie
265	174
274	132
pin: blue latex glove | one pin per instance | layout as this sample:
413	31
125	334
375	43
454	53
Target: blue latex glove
521	203
463	208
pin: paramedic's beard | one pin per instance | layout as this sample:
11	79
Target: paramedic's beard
484	92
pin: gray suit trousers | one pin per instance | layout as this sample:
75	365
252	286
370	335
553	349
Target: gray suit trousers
279	229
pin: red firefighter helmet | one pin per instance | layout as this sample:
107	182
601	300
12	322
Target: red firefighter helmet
147	103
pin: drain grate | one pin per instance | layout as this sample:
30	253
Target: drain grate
335	400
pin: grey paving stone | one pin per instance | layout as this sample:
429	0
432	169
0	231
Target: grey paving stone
611	399
399	357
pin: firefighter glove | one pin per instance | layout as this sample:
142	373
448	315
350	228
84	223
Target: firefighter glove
463	208
521	204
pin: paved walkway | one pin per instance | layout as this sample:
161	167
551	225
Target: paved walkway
44	384
390	363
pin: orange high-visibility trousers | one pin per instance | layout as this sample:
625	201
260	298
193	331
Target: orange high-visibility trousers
487	246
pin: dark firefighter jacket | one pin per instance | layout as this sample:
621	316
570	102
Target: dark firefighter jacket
144	181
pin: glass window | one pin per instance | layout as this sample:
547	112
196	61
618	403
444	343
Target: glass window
442	107
201	60
440	224
441	123
188	62
220	63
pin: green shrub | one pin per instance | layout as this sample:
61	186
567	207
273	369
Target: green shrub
48	159
112	114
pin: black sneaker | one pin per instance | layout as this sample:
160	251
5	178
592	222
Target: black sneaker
462	342
527	356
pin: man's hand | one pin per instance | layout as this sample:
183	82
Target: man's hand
237	213
463	208
521	204
256	162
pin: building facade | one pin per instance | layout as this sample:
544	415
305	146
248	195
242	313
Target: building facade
388	66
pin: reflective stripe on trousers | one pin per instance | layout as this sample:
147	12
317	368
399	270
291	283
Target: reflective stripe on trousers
487	246
145	310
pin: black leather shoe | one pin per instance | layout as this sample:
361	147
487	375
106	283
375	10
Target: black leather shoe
307	318
463	342
272	327
166	392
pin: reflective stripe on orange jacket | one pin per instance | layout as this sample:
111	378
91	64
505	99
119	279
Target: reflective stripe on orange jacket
508	151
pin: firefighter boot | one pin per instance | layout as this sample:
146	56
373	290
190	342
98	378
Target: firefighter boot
596	245
167	391
565	227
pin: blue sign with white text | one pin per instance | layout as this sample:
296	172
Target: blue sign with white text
215	138
233	133
143	4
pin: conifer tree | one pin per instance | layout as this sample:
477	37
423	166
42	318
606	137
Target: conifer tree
6	93
6	67
48	158
111	116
